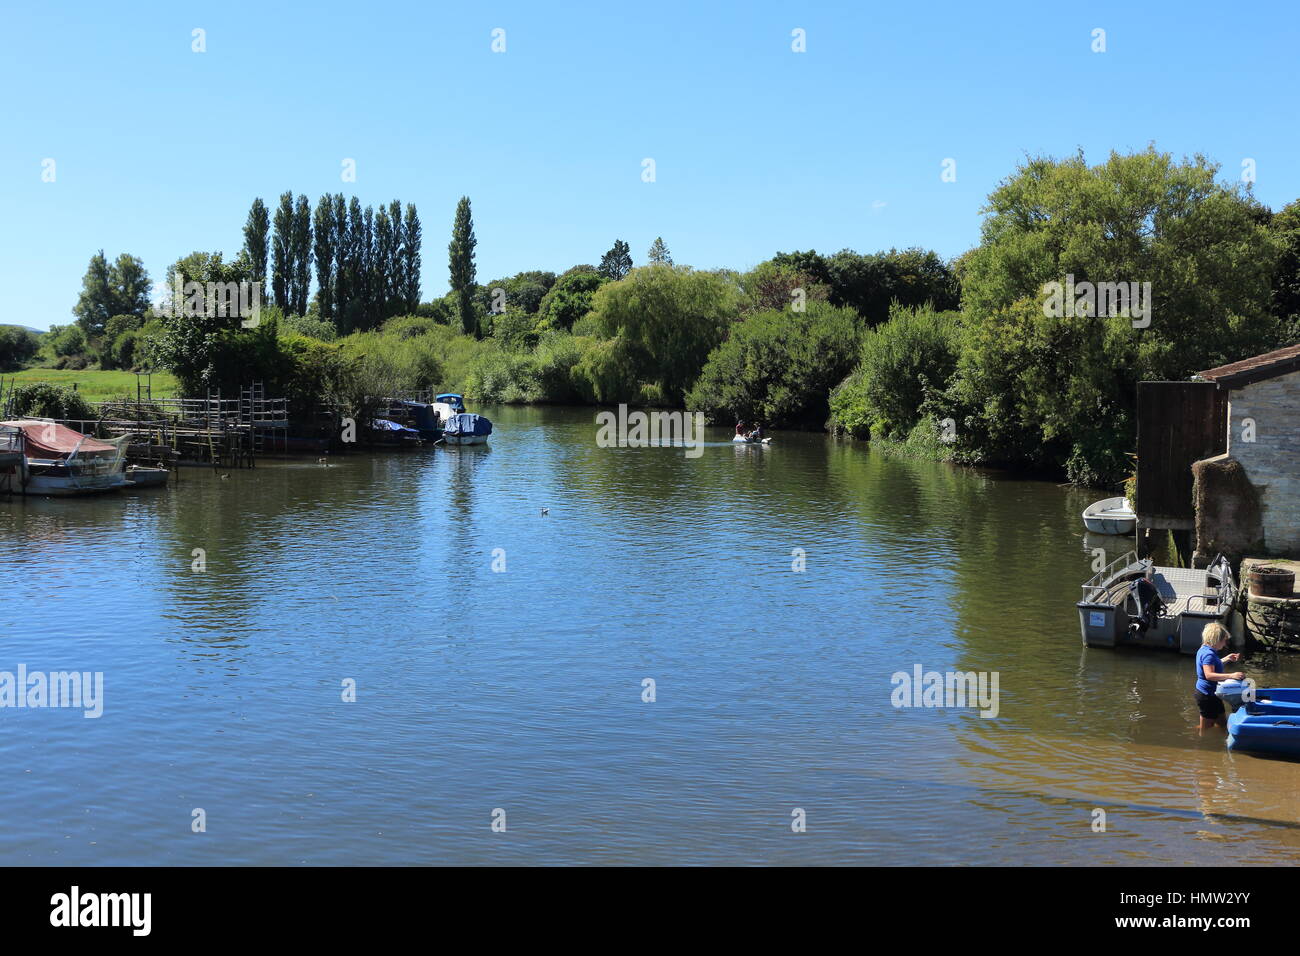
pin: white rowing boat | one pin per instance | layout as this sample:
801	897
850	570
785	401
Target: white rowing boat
1110	516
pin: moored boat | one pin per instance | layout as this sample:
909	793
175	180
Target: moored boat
1269	724
142	476
466	429
59	462
393	434
1110	516
1114	612
458	426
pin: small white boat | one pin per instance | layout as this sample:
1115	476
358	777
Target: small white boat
1110	516
742	440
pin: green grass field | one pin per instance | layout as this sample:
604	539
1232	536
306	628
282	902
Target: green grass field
95	385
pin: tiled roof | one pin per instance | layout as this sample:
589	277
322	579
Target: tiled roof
1255	369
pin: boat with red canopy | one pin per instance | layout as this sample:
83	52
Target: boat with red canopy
38	456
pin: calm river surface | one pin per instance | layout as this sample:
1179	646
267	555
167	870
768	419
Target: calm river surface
522	690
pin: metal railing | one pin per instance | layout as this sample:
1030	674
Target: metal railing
1225	594
1096	587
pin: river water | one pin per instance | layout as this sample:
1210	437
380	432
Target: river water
517	695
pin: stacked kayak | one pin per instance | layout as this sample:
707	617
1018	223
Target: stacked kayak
1270	724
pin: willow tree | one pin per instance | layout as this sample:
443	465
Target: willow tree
670	317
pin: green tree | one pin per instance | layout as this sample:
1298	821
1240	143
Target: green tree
282	252
671	315
460	253
902	361
393	263
256	234
778	366
366	286
324	238
130	284
568	299
409	291
17	346
108	290
1043	386
780	285
1285	226
119	327
301	257
616	263
386	251
97	302
659	254
343	277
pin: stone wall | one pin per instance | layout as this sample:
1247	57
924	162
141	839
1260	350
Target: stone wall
1272	460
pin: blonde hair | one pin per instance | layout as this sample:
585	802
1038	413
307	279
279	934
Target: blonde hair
1214	633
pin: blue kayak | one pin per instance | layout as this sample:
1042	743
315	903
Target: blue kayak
1269	724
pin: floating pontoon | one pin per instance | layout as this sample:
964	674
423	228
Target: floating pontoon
1110	614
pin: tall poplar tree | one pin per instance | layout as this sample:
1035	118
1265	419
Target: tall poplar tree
324	238
411	238
282	253
366	268
380	278
256	233
393	268
460	252
302	255
342	253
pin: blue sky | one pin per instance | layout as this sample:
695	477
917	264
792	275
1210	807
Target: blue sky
160	150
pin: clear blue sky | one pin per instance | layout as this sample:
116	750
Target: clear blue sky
160	150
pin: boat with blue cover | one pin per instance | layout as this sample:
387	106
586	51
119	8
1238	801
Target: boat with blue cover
458	426
466	429
393	434
1268	724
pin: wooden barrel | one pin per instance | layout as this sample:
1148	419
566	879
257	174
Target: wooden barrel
1268	581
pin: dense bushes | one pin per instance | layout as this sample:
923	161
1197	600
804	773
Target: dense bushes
17	346
779	366
43	400
900	362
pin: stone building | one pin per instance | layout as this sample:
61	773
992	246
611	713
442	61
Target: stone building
1247	500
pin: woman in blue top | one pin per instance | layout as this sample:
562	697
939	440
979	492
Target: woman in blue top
1209	672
